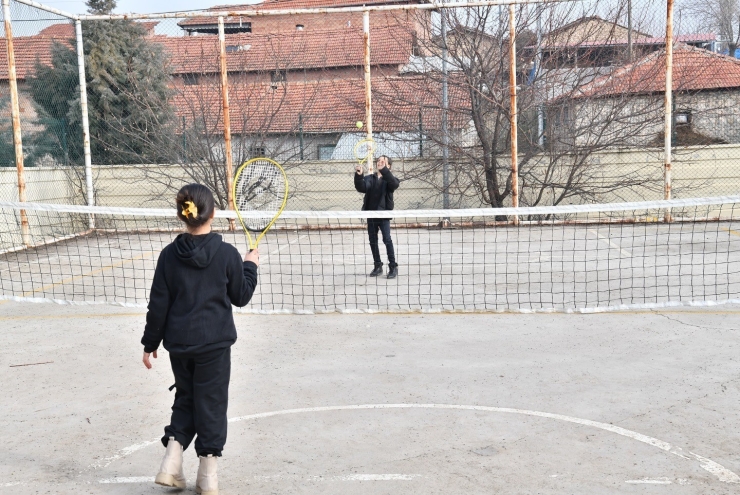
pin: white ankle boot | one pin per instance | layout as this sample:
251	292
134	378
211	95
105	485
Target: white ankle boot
207	483
170	473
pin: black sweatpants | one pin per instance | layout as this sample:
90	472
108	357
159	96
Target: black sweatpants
201	400
384	225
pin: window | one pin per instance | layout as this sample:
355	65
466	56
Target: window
257	151
237	48
326	151
212	28
242	27
682	117
300	27
191	79
279	76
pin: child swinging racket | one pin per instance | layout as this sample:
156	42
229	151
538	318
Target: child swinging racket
260	194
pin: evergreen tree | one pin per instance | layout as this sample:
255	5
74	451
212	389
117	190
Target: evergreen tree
55	91
127	95
7	149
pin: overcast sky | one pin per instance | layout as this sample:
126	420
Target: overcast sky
143	6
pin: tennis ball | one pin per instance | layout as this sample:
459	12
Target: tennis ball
359	124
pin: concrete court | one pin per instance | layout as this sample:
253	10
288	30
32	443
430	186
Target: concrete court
662	387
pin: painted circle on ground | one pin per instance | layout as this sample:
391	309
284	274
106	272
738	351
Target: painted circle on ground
720	472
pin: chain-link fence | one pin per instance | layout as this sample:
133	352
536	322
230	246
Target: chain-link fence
587	81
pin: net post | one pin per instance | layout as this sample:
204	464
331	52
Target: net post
668	130
16	117
513	111
368	87
227	119
85	120
445	123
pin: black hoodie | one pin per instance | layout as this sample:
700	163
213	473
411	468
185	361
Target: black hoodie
197	280
378	190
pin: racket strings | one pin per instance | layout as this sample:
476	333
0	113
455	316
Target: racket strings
260	188
364	149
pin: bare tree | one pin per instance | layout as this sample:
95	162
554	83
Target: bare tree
558	146
722	16
270	101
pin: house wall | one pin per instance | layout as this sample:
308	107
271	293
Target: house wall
639	120
714	114
337	20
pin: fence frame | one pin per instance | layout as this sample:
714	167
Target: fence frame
438	6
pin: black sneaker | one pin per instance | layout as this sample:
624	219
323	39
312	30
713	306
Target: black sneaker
378	270
393	272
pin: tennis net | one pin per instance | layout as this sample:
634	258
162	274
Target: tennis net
565	258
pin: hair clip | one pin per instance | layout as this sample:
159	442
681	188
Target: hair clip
189	209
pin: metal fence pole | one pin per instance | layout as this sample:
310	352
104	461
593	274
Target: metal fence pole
445	123
227	119
668	130
421	134
513	111
85	120
629	31
15	112
300	134
538	70
368	88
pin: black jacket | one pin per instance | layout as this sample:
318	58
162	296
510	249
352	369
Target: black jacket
378	190
196	281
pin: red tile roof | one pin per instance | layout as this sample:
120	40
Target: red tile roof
324	106
28	51
639	41
310	4
289	5
199	54
67	29
296	50
694	69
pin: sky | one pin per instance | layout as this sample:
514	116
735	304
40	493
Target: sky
143	6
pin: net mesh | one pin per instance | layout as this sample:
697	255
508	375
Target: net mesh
576	258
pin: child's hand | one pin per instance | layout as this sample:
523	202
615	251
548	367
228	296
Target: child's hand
358	169
146	359
253	256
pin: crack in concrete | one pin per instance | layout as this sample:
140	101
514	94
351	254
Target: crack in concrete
676	320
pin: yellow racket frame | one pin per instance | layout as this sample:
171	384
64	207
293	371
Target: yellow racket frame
254	242
371	150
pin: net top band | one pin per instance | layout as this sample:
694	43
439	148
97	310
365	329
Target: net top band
450	213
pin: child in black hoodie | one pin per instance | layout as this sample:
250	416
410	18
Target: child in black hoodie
378	189
197	280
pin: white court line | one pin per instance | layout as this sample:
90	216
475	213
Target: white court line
608	241
130	479
648	481
349	477
376	477
105	462
722	473
719	471
287	245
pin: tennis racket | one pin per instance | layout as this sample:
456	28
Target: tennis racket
364	152
260	194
